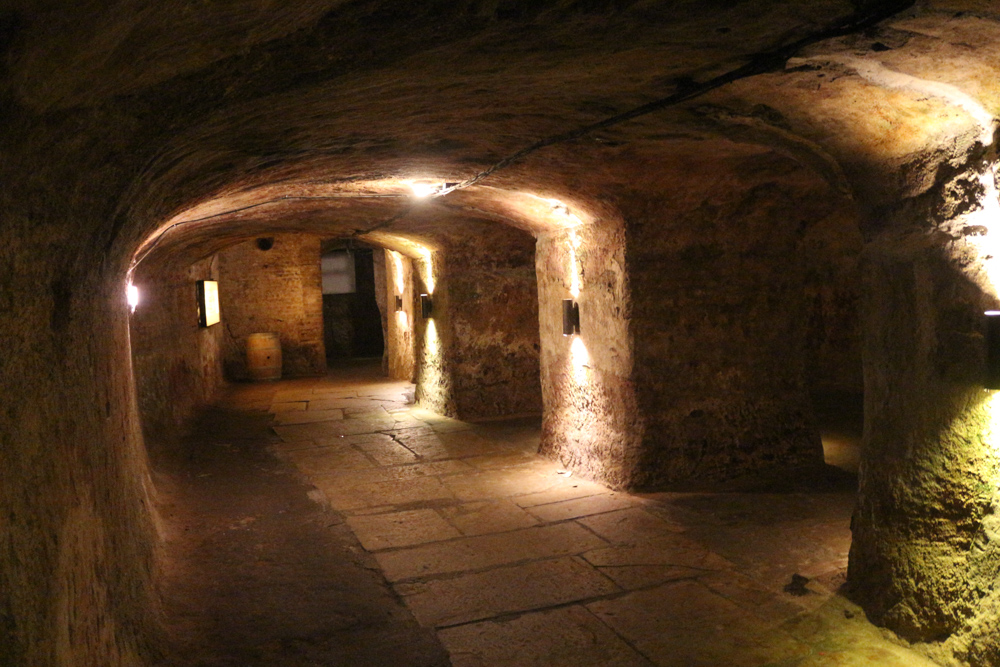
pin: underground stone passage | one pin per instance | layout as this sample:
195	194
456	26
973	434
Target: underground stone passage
653	246
377	505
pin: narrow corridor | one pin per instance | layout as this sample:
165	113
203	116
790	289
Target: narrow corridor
382	529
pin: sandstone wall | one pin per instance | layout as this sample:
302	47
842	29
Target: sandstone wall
479	355
590	421
399	323
278	290
177	364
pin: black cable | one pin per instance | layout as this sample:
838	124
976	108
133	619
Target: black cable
760	63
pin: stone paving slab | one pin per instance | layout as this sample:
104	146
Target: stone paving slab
489	516
307	416
448	445
503	483
771	605
352	404
358	479
684	624
323	458
581	507
629	526
290	395
287	406
566	637
400	529
518	563
658	560
386	451
483	595
322	393
775	552
329	429
396	492
485	551
505	459
568	489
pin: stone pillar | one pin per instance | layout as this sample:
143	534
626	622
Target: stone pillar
478	353
590	421
925	553
718	323
399	323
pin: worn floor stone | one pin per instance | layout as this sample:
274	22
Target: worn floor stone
400	529
483	551
566	637
535	585
515	561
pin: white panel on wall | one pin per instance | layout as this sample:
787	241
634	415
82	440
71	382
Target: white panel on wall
338	272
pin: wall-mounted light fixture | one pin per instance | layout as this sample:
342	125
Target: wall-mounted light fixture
426	306
399	303
424	189
208	303
992	349
132	296
571	317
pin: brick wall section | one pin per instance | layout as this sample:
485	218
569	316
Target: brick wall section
177	364
277	290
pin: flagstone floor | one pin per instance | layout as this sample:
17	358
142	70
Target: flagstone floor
510	560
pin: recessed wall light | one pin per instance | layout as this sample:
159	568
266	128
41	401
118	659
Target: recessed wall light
571	317
992	380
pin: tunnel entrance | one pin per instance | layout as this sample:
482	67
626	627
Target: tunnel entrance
353	323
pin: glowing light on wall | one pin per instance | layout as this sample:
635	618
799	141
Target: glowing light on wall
561	209
433	342
988	218
132	296
397	274
574	269
424	189
579	360
991	434
428	269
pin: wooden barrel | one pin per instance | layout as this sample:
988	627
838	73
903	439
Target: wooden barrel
264	356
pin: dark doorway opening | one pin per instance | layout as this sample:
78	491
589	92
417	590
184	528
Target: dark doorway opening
352	322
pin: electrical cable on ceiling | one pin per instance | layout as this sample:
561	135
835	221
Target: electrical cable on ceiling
760	63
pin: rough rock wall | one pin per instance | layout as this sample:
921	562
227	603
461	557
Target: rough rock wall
486	320
590	420
433	339
177	364
277	290
719	317
76	536
399	323
830	251
379	271
924	555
